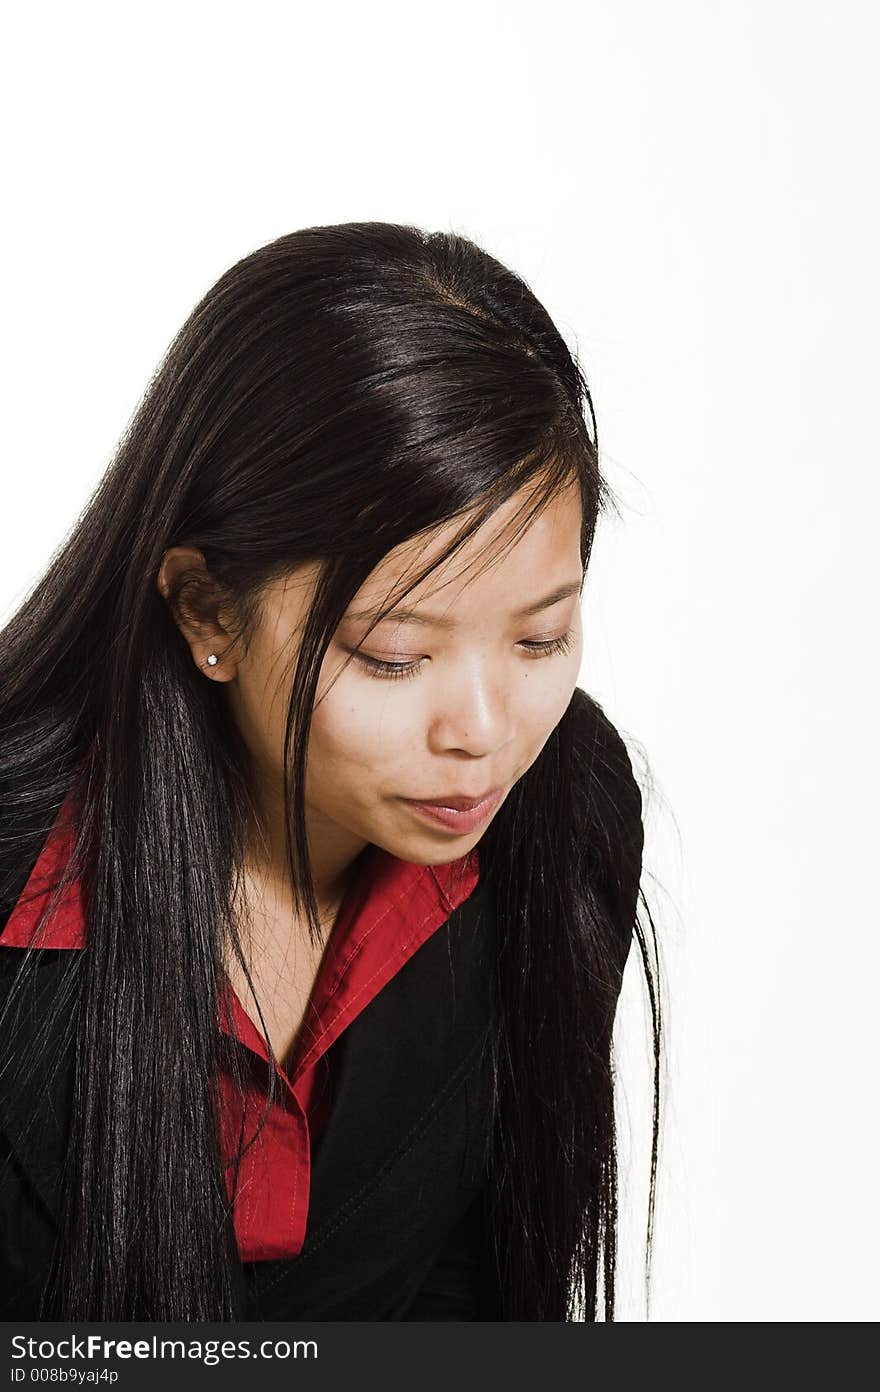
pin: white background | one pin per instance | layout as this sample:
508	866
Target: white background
691	189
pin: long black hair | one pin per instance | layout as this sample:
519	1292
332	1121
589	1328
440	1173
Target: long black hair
335	393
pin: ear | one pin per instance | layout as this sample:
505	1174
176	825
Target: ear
193	597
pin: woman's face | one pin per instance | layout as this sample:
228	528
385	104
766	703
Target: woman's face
467	700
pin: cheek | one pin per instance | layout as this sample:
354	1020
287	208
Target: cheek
358	736
340	731
544	700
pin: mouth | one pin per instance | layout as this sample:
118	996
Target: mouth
455	813
458	802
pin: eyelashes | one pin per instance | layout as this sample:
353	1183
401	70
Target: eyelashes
397	671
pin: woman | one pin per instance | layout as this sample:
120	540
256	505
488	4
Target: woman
278	1039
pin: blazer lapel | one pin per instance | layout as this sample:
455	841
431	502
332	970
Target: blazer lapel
398	1055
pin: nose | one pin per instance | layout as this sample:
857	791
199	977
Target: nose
474	716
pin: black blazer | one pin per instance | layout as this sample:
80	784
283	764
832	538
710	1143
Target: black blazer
396	1220
397	1225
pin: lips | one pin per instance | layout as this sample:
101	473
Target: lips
460	804
459	821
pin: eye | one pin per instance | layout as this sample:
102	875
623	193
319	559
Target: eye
547	646
387	670
395	671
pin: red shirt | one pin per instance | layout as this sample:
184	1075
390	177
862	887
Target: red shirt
390	910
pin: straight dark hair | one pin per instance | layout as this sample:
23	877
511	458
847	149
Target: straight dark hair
335	393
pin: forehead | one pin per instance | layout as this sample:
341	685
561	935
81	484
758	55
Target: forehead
505	553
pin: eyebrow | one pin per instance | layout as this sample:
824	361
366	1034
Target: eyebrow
417	616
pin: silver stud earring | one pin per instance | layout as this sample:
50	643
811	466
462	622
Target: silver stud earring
213	659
